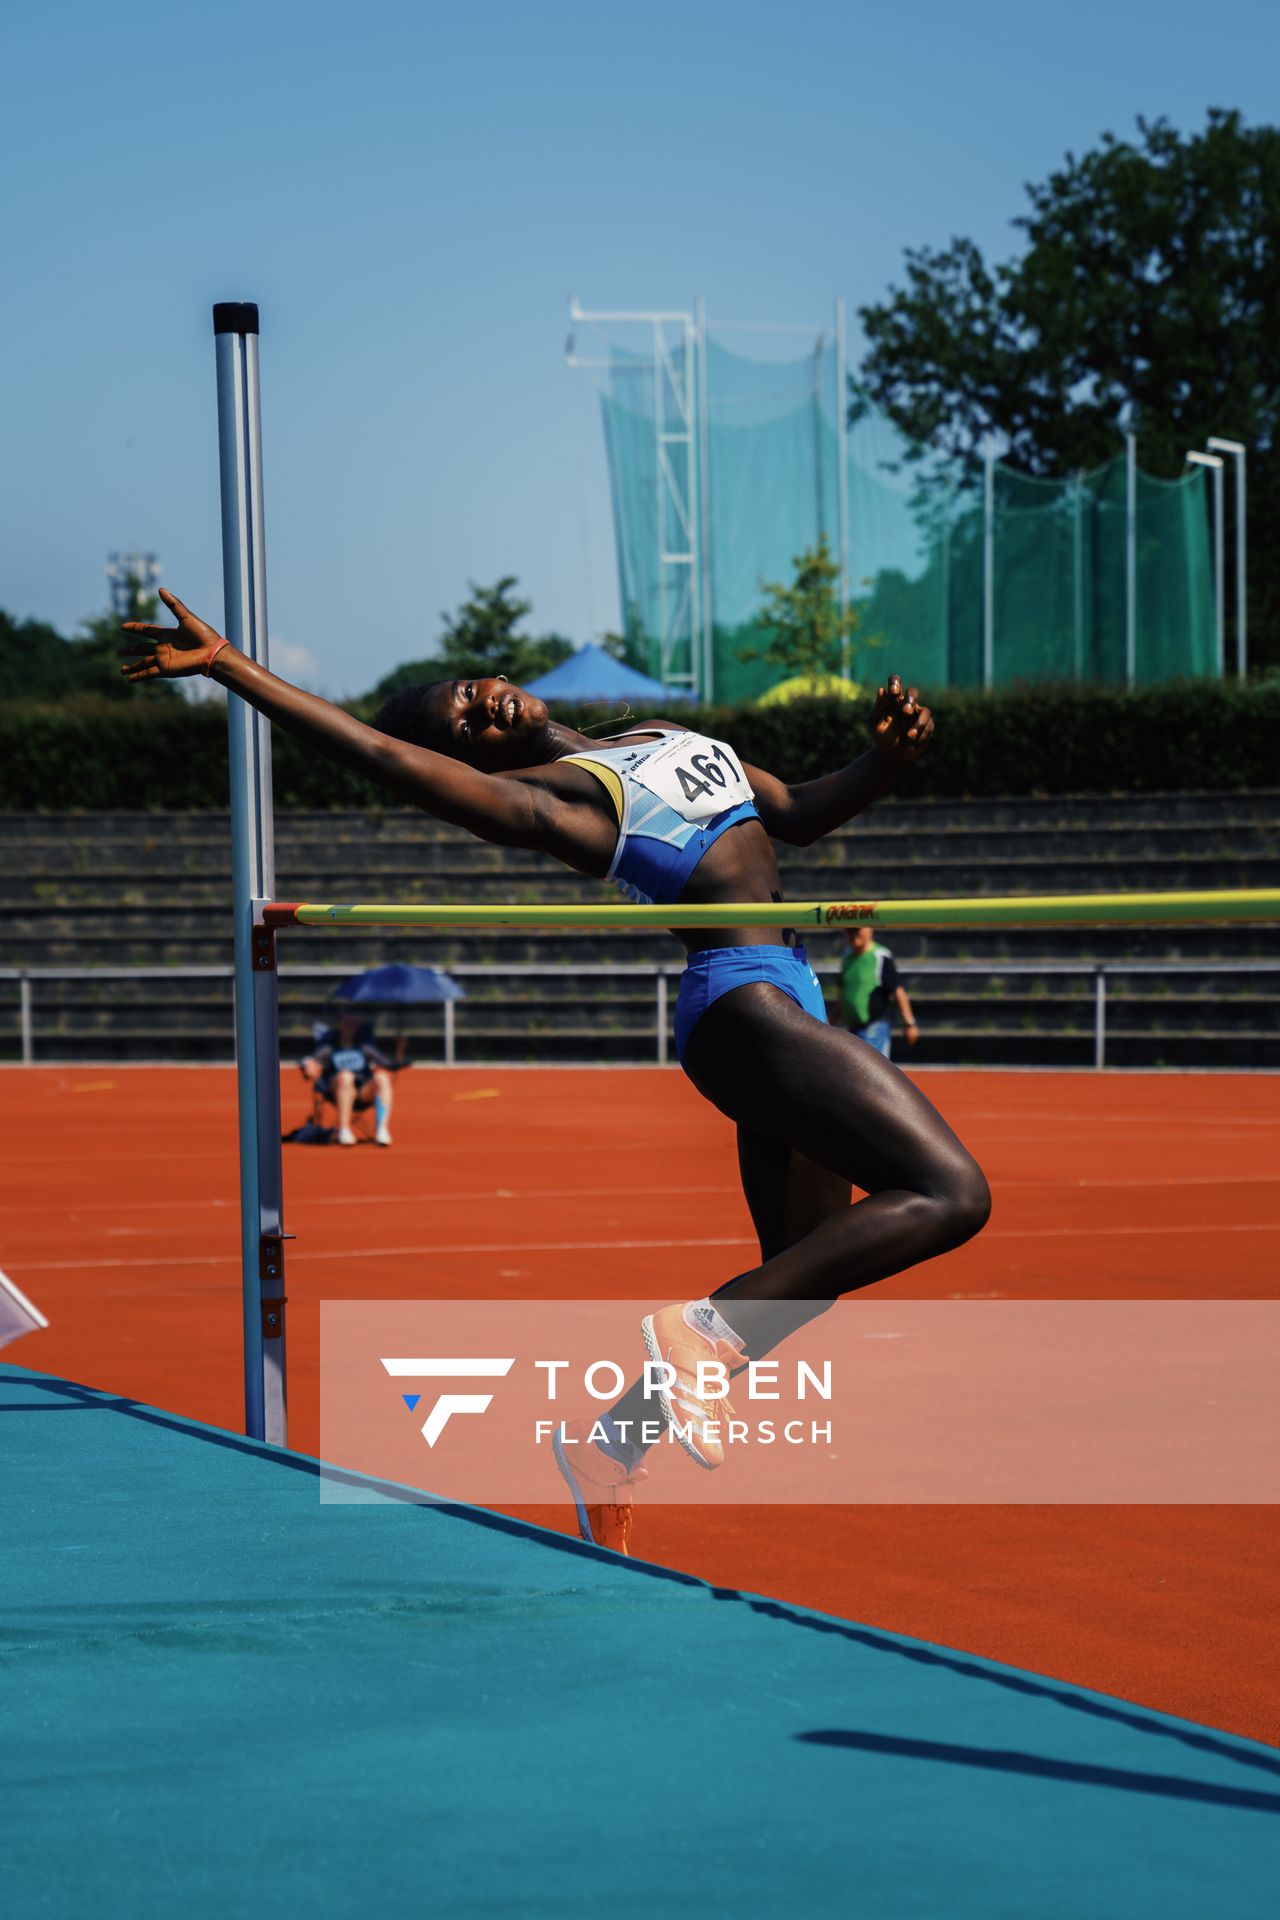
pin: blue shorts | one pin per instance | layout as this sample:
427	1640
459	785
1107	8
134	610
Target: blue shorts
718	970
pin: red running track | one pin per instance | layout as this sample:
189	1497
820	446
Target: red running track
120	1219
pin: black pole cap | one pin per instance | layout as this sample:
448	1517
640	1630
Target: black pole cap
235	316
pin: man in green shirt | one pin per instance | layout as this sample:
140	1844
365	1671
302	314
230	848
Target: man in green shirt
870	984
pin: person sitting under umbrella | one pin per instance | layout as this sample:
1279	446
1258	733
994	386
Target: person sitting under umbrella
354	1073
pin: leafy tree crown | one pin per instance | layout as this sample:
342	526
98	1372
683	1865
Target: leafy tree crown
1147	288
807	629
481	639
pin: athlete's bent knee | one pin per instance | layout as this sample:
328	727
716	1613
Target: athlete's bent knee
968	1203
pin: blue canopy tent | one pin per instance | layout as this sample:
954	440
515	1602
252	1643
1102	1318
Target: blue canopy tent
592	674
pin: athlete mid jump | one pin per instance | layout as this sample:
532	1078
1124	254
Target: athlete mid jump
672	815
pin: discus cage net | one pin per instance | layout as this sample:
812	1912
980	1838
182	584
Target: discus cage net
723	468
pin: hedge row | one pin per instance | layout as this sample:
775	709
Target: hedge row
102	754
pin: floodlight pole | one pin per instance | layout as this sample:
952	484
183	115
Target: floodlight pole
691	520
1237	451
1077	581
705	602
244	576
842	479
1131	554
1216	465
989	564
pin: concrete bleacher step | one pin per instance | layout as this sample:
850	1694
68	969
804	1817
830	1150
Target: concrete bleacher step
911	839
43	898
309	824
68	841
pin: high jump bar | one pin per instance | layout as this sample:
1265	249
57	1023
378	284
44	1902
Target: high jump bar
1025	910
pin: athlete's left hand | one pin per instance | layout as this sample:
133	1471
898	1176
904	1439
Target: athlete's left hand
169	653
901	726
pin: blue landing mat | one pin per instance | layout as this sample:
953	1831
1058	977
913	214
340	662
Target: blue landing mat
221	1698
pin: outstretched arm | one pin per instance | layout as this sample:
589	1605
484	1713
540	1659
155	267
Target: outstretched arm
508	812
900	729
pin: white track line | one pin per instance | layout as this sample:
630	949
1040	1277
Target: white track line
1059	1119
363	1199
299	1204
1075	1233
356	1254
1187	1180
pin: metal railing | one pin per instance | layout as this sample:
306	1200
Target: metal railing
661	973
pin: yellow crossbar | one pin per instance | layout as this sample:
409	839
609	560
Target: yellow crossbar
1026	910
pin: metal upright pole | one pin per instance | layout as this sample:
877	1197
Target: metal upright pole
659	500
819	477
842	479
1131	557
235	326
1237	451
1216	463
693	509
1242	569
1077	581
989	566
704	557
1219	571
948	652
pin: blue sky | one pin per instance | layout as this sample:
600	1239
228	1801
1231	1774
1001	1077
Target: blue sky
411	191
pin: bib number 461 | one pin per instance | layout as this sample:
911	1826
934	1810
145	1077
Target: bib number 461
704	769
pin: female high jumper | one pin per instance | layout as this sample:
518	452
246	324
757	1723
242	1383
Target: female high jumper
672	815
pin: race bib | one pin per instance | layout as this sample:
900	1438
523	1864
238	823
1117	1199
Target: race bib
696	777
348	1060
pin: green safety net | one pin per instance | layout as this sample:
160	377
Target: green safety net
723	469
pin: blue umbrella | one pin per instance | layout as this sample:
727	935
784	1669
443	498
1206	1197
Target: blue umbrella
398	986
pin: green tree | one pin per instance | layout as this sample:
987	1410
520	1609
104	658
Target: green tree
806	630
481	639
1149	277
96	651
36	662
39	663
539	656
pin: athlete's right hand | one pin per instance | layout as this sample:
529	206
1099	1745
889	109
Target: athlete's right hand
900	726
169	653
